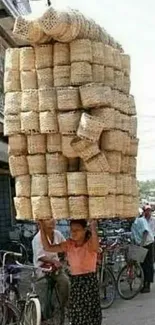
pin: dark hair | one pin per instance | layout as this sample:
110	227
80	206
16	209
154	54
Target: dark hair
83	224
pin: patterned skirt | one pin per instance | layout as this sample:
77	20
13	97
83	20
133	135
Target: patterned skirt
84	304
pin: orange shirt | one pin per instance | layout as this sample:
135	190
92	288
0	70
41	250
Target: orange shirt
80	258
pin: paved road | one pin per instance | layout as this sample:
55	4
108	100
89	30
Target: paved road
138	311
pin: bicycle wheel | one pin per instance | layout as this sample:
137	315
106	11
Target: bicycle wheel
32	312
9	314
107	286
130	281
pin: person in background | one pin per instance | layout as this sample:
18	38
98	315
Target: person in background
81	250
143	234
42	258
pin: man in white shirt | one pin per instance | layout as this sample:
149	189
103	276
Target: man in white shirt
42	258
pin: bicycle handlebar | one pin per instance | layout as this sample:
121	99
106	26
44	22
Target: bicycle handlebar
33	268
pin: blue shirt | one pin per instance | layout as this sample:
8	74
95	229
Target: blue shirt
138	228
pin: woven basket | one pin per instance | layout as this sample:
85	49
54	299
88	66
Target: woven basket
98	184
98	163
98	73
68	98
117	59
30	100
12	103
126	144
125	122
135	190
57	185
68	122
98	52
48	122
28	80
77	183
23	186
108	56
61	54
97	206
84	148
54	143
12	125
81	73
54	22
112	140
118	80
61	75
126	64
134	147
39	185
29	122
12	81
112	184
73	164
126	85
116	99
36	144
27	59
95	95
78	207
109	77
45	78
132	105
67	148
110	210
17	145
12	59
125	164
47	99
127	206
120	206
23	208
114	161
56	163
90	128
106	115
132	166
119	184
43	56
59	208
118	120
36	164
133	126
81	51
41	207
124	103
18	165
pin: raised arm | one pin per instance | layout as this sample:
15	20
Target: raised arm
56	248
93	241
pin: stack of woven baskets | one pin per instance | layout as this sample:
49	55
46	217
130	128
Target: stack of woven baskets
72	127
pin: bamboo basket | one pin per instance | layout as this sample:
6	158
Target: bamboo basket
124	103
30	122
67	149
56	163
132	166
59	208
73	164
108	56
57	185
127	206
18	165
106	115
134	147
23	208
12	125
53	22
132	105
12	103
90	128
36	144
77	183
36	164
61	55
23	186
110	209
27	59
95	95
61	75
12	59
120	184
133	126
68	122
45	78
98	73
118	120
47	99
114	161
54	143
17	145
41	207
125	164
43	56
126	85
28	80
78	207
81	51
39	185
12	81
109	78
30	101
98	163
135	191
97	206
118	80
126	64
48	122
68	98
112	184
125	122
117	59
112	140
84	148
98	52
126	144
98	184
120	206
116	99
81	73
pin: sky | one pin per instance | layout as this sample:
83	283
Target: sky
132	23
